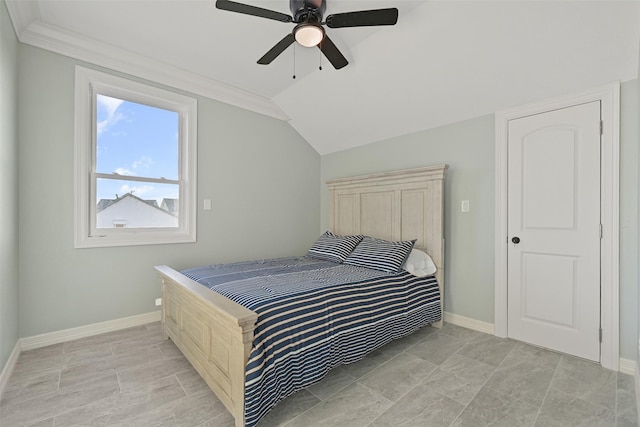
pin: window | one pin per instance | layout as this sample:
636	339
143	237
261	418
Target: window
135	148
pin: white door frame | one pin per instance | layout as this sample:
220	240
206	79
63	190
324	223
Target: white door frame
609	96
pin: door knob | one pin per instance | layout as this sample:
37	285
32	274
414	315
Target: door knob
516	240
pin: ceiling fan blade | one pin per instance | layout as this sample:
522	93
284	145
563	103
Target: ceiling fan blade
277	50
363	18
232	6
332	53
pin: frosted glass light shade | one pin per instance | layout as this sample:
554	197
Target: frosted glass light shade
309	35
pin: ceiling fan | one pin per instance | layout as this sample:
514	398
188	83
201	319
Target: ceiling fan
307	14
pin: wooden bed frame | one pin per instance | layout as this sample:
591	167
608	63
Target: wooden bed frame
215	334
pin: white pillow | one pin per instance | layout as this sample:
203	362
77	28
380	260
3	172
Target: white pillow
419	264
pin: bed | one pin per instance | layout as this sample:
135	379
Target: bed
216	334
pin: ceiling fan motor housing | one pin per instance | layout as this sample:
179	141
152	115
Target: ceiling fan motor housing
309	31
307	10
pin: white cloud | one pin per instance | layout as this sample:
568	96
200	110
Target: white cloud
136	190
124	171
144	161
111	106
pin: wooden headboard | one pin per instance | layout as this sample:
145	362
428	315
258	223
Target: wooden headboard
400	205
216	334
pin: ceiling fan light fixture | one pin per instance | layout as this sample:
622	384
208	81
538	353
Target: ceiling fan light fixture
308	34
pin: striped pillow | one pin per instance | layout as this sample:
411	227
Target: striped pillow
380	254
334	248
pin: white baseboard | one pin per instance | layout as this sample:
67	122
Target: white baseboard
467	322
9	367
37	341
637	378
627	366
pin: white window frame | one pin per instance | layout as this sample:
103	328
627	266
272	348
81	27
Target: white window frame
89	82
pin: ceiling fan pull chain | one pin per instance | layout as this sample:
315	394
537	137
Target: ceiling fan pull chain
294	61
309	31
320	55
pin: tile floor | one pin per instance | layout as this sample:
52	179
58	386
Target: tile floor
448	377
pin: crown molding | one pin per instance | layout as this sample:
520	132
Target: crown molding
31	30
22	14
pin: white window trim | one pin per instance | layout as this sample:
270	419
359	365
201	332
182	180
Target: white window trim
86	83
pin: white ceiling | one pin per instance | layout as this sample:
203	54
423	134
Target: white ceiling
444	61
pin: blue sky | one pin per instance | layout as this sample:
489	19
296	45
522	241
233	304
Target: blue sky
136	140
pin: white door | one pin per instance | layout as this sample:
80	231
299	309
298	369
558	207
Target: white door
554	230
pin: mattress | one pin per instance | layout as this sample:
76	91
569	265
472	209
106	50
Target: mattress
314	315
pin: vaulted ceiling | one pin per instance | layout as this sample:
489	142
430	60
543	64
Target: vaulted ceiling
443	62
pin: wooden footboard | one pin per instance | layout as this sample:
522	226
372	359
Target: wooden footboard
216	334
213	332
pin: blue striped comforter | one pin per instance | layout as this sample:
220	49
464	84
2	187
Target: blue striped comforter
314	315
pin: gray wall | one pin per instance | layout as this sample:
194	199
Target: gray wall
260	174
468	148
8	187
263	179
